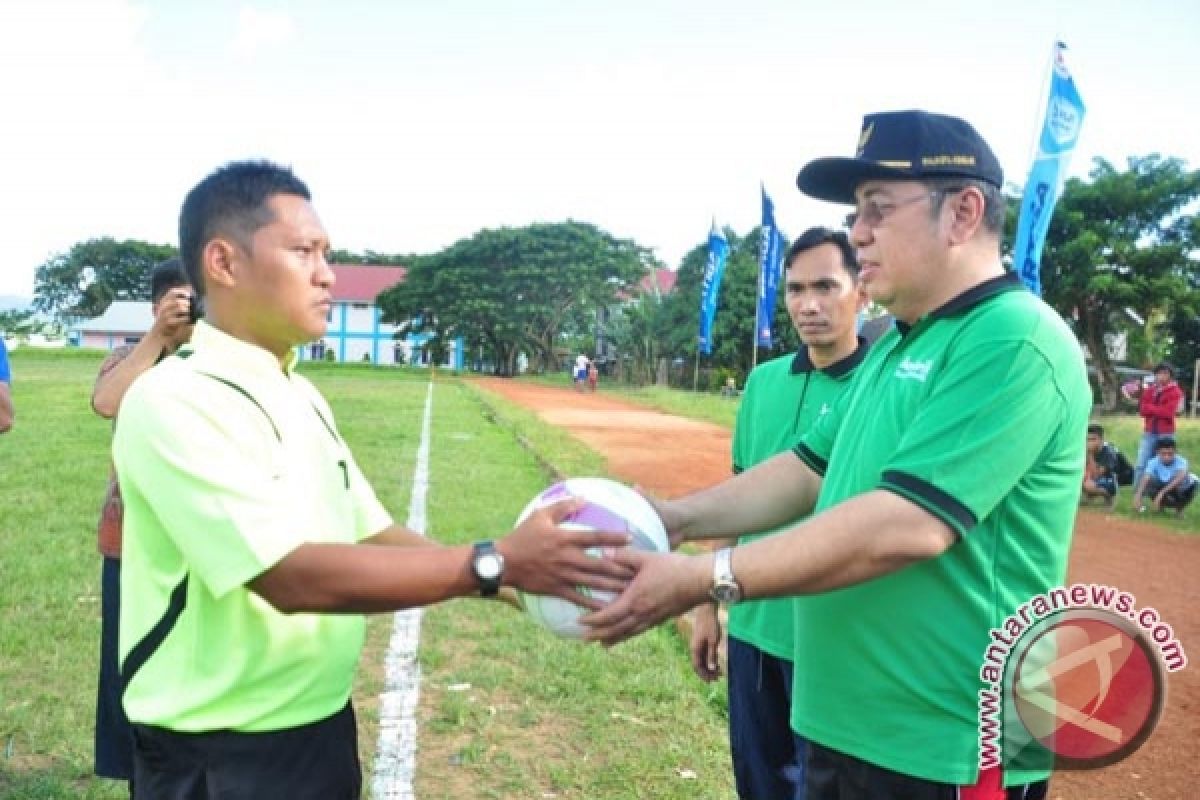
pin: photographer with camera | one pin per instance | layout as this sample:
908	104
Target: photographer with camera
176	309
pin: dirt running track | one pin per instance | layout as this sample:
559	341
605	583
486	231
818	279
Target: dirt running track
670	455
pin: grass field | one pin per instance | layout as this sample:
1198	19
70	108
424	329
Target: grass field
507	711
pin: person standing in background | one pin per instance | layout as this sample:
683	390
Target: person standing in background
1158	404
171	304
784	397
6	405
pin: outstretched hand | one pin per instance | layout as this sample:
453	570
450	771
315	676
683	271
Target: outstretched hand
542	558
665	585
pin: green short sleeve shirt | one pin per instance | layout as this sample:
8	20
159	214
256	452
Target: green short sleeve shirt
228	462
978	414
782	400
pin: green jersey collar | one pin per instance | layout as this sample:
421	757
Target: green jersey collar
972	297
802	363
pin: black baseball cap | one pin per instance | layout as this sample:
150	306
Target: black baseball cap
903	146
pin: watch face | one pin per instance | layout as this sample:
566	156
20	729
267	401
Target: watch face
727	593
488	566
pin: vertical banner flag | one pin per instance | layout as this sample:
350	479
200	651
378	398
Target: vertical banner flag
1060	132
718	251
770	257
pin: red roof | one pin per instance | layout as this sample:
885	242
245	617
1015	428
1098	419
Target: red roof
663	278
362	284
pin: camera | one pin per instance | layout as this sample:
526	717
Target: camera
195	309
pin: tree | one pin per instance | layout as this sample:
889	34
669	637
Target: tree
83	281
516	290
639	332
733	325
1120	258
17	322
369	257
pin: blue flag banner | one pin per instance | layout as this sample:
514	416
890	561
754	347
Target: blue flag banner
770	257
1060	132
718	251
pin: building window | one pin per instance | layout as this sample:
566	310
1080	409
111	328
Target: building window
359	306
132	339
316	351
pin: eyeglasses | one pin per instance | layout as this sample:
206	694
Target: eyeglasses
872	212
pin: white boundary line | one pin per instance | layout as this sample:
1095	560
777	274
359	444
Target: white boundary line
396	754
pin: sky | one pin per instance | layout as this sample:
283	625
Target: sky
416	124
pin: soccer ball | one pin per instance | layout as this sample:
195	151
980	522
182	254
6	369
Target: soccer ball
610	507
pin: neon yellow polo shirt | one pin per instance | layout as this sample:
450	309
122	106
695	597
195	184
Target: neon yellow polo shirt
977	413
228	462
783	398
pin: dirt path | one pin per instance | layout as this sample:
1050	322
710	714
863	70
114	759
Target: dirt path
670	456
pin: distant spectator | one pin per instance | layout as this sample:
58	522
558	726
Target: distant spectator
1158	404
593	376
1166	480
1100	468
6	406
580	373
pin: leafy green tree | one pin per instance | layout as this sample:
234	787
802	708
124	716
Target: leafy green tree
639	331
369	257
733	325
83	281
17	322
1124	241
516	290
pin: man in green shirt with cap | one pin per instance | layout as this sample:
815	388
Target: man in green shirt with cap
784	397
943	484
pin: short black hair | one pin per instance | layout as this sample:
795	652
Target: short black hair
165	276
1164	441
815	237
994	204
1096	429
1165	367
233	202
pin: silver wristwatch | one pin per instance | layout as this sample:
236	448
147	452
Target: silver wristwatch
725	588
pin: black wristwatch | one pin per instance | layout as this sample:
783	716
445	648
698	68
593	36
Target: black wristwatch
488	565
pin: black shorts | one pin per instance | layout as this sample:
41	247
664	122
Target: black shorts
830	775
318	761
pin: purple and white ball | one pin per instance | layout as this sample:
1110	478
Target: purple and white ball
610	506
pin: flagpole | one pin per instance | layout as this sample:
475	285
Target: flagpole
754	333
1039	112
696	368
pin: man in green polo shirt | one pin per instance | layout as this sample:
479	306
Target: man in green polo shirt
943	484
783	398
252	542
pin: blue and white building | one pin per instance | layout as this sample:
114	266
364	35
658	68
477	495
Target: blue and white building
356	332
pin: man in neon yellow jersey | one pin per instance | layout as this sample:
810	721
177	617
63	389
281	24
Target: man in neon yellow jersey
783	398
253	543
943	485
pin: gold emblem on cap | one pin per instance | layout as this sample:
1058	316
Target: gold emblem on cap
863	137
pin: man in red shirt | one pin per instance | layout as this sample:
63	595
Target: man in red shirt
1158	405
